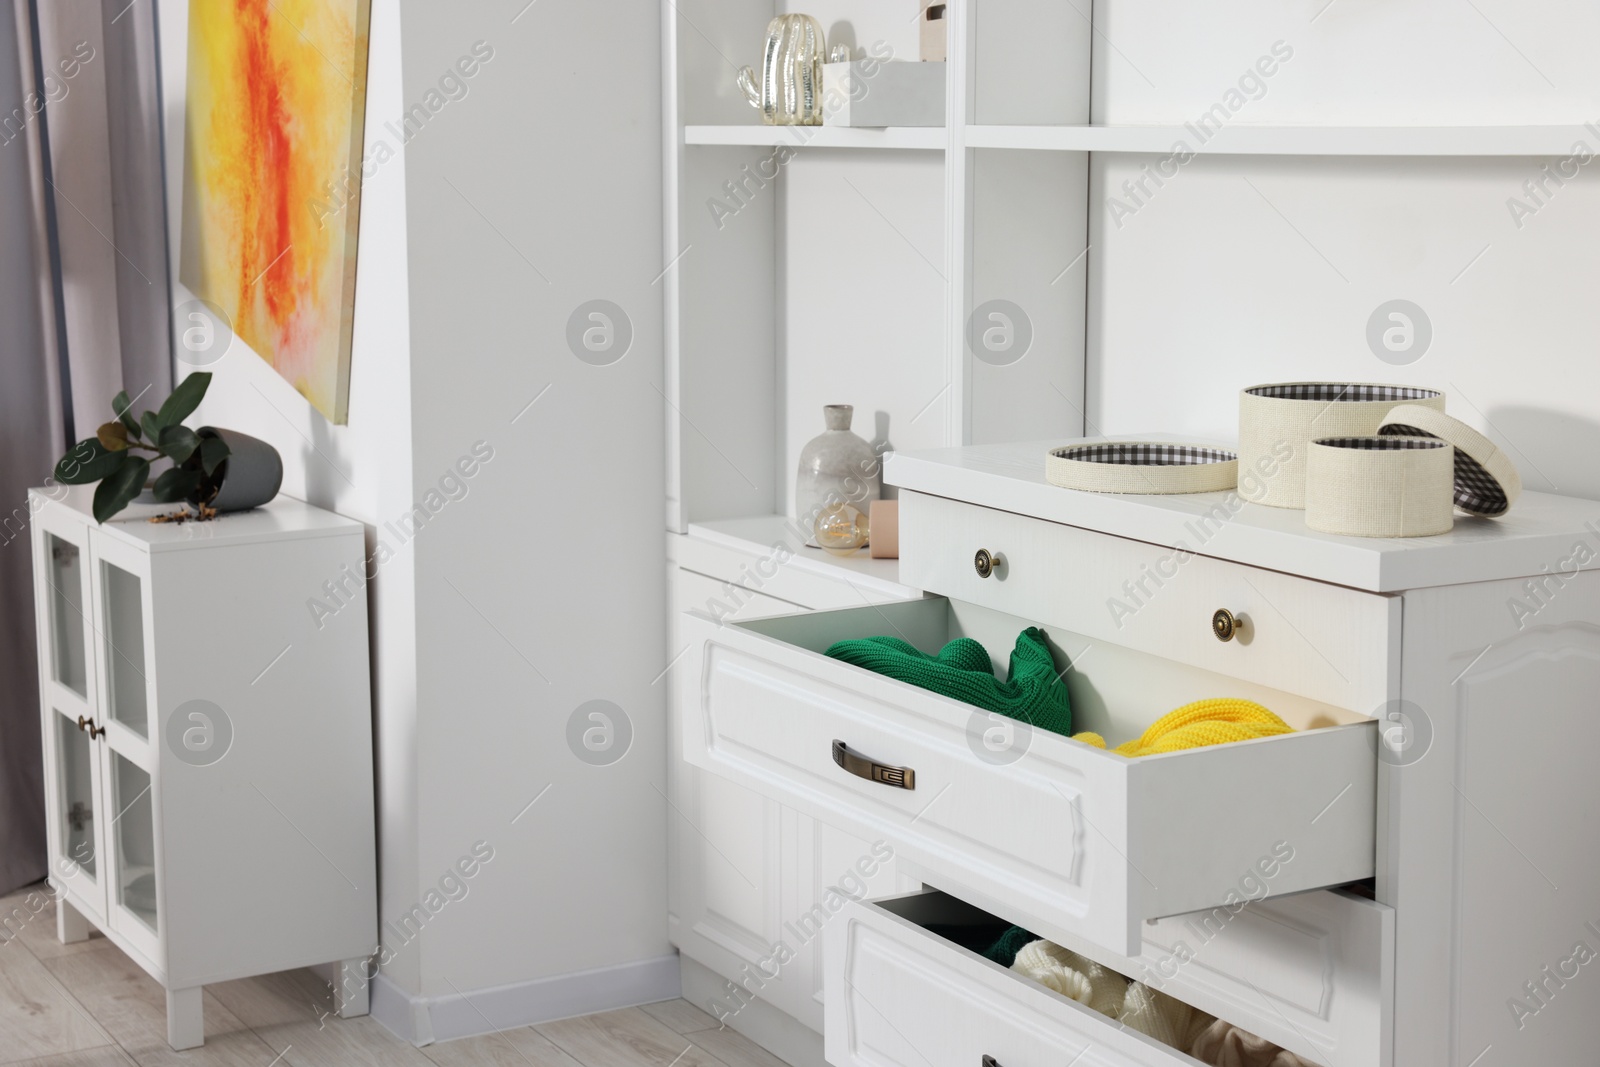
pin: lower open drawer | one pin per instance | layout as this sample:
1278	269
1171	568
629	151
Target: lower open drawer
1077	841
898	993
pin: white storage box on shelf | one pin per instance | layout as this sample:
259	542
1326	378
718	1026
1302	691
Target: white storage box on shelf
208	742
873	92
1277	424
1158	866
1381	486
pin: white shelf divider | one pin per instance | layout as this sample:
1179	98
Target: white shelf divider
919	138
1290	140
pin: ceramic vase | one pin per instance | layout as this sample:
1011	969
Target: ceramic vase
835	467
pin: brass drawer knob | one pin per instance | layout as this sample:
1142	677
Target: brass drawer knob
1225	624
986	562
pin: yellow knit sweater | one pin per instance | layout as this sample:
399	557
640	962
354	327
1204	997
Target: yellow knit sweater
1205	722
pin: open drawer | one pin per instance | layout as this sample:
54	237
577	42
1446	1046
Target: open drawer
898	993
1076	841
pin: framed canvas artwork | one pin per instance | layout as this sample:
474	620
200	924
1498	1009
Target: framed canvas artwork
271	195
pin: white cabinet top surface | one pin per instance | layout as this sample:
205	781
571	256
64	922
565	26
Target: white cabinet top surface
285	518
1541	534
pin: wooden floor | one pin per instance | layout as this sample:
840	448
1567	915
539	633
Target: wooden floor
88	1005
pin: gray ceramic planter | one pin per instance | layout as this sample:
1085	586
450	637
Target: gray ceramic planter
250	476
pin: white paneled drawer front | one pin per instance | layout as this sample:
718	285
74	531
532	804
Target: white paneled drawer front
896	993
1079	841
1313	972
1325	642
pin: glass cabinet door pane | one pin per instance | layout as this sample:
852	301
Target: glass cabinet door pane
124	631
66	613
133	830
75	816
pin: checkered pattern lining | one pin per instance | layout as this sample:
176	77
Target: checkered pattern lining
1332	391
1476	491
1415	439
1144	454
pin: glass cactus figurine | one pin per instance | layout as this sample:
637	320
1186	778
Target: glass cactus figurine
789	91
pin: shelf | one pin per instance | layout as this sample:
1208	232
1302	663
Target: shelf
920	138
757	536
1290	140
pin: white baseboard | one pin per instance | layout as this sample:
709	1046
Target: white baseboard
424	1020
779	1033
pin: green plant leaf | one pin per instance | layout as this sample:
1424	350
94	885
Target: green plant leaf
122	408
185	398
176	484
118	491
152	426
113	436
88	461
213	451
178	443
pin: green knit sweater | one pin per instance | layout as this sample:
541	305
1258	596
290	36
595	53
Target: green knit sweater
1034	692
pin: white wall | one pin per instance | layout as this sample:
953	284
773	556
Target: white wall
535	192
537	585
1245	270
362	469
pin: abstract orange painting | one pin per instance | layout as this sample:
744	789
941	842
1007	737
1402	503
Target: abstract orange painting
276	103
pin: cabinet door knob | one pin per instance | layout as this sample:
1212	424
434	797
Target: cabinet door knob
986	562
83	723
88	724
1225	624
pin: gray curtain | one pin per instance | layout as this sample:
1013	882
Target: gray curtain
32	435
85	299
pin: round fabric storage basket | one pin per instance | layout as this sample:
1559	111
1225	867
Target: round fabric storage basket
1277	423
1486	481
1155	467
1375	486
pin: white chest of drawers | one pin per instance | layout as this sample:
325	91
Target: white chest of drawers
1393	884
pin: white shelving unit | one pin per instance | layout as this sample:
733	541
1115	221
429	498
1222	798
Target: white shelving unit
829	265
802	287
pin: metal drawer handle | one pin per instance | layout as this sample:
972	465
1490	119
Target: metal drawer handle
986	562
1225	624
871	770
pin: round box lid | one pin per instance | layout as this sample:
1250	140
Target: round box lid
1486	481
1157	467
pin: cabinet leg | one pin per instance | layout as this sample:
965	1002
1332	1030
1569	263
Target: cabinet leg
351	988
186	1018
71	926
